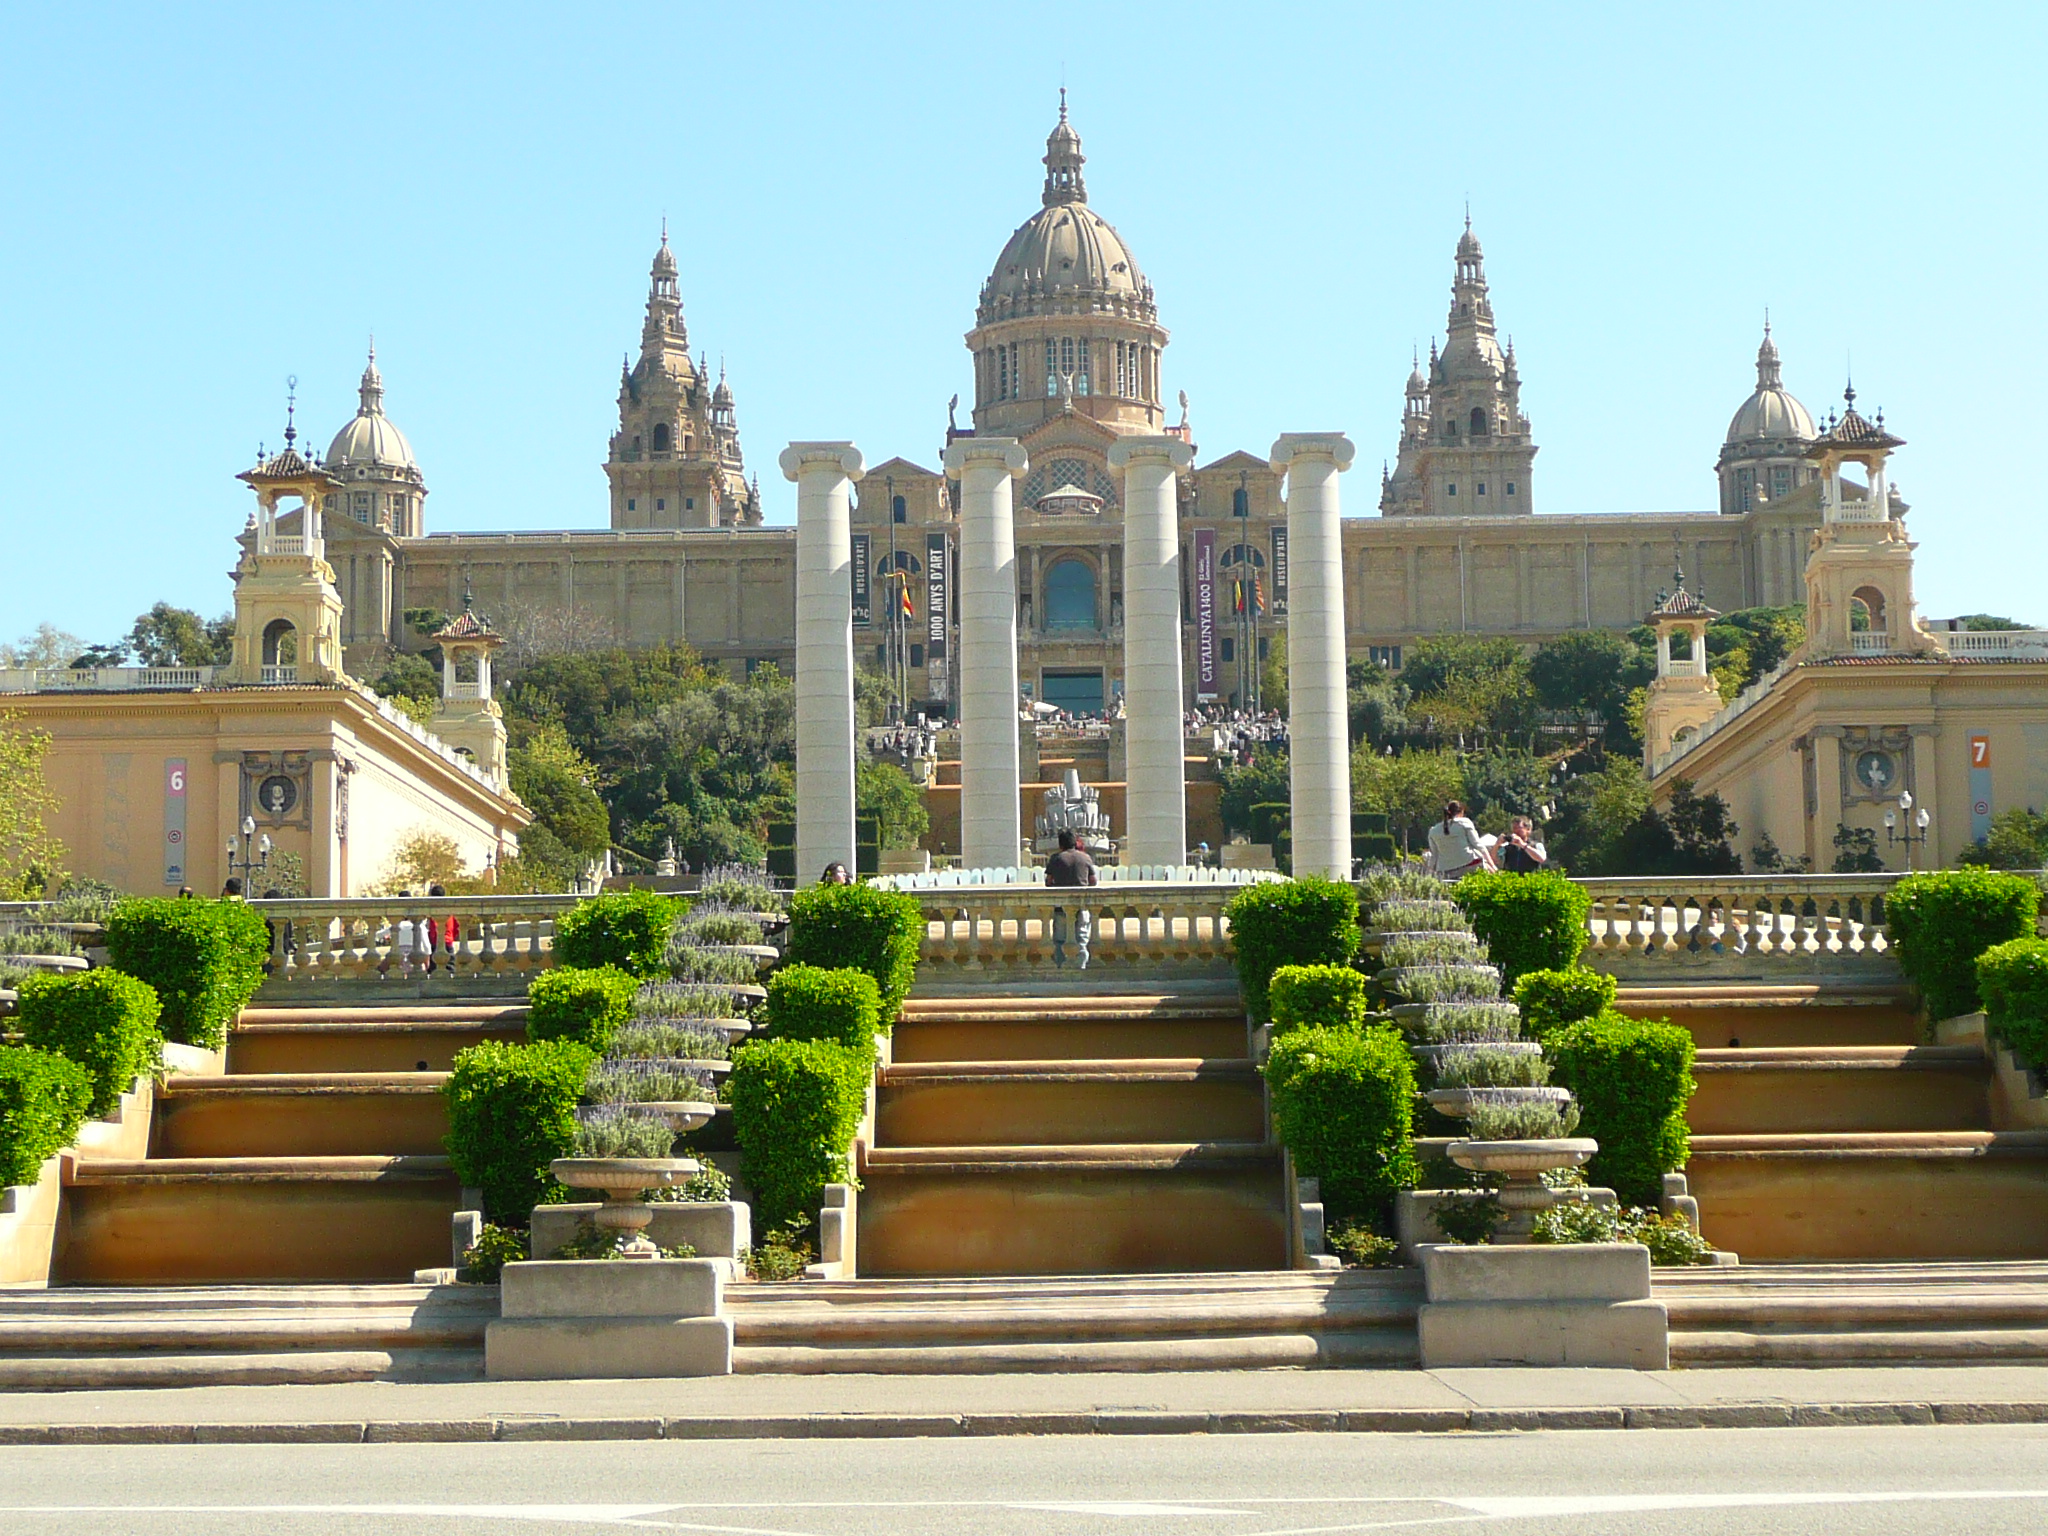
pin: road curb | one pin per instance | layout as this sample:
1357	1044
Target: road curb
920	1426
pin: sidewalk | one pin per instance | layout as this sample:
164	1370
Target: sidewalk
744	1407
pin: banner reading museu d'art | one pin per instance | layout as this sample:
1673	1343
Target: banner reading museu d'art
863	582
1205	613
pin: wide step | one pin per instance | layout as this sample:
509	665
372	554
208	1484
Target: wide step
1108	1323
961	1104
1067	1210
302	1115
1840	1089
1736	1016
1111	1027
172	1220
329	1040
1795	1198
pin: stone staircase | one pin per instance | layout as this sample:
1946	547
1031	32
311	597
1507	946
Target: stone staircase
1071	1133
315	1157
1825	1132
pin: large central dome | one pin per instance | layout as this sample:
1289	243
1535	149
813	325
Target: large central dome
1066	257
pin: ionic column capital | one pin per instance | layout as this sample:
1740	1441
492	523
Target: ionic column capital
1126	451
1291	446
799	459
1004	453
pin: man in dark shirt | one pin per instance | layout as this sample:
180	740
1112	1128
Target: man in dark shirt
1067	869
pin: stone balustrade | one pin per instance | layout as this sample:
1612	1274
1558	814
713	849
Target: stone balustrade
318	942
1149	930
1740	925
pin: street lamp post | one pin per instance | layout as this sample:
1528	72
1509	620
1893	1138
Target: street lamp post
248	855
1916	825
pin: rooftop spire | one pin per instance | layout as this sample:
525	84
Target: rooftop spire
1768	375
371	391
1063	161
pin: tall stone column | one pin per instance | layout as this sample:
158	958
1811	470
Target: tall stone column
824	474
1319	761
991	821
1155	762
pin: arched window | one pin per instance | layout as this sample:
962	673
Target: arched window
1866	611
1069	596
1478	421
661	437
280	644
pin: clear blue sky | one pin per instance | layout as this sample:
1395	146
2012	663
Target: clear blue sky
200	201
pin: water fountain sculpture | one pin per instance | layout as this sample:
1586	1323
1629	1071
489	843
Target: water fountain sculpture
1071	806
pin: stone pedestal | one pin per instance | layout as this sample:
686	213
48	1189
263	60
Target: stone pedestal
568	1319
1580	1304
714	1229
1318	726
991	817
1155	768
824	474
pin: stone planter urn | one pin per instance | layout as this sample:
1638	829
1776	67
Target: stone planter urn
1521	1164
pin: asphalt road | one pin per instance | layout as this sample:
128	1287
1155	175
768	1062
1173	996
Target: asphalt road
1873	1482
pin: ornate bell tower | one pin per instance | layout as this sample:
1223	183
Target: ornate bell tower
1859	566
467	717
287	611
1684	695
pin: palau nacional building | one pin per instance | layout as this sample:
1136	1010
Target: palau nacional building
1067	351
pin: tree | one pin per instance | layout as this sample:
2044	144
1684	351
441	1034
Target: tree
410	681
1505	782
31	857
1689	837
46	646
1466	686
571	827
535	630
1990	621
178	637
1273	674
1856	851
1262	781
1588	673
585	692
873	696
1593	814
2018	840
422	859
1375	703
1410	787
885	792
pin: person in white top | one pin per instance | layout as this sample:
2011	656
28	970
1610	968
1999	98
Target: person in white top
1455	847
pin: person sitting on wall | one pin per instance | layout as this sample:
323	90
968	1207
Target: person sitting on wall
1071	867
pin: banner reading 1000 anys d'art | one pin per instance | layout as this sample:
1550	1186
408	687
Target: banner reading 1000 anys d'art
936	571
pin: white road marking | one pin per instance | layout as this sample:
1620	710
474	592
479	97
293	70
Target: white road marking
1119	1509
1536	1506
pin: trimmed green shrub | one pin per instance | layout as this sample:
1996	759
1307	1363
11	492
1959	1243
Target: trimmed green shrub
104	1021
1532	922
1942	921
2012	979
795	1107
1331	995
860	927
204	958
806	1003
43	1101
511	1112
1311	921
627	929
1552	999
1344	1104
588	1006
1632	1079
484	1261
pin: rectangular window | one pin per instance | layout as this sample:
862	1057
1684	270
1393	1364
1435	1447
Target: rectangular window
661	503
916	653
1388	656
1002	373
1229	649
1452	488
630	504
1481	490
1066	354
1052	367
1781	480
689	503
882	655
1265	647
1081	369
1511	487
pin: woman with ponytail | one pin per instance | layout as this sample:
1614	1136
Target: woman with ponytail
1455	847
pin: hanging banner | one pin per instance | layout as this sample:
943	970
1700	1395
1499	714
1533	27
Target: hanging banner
936	608
1980	786
174	821
863	580
1205	613
1279	568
